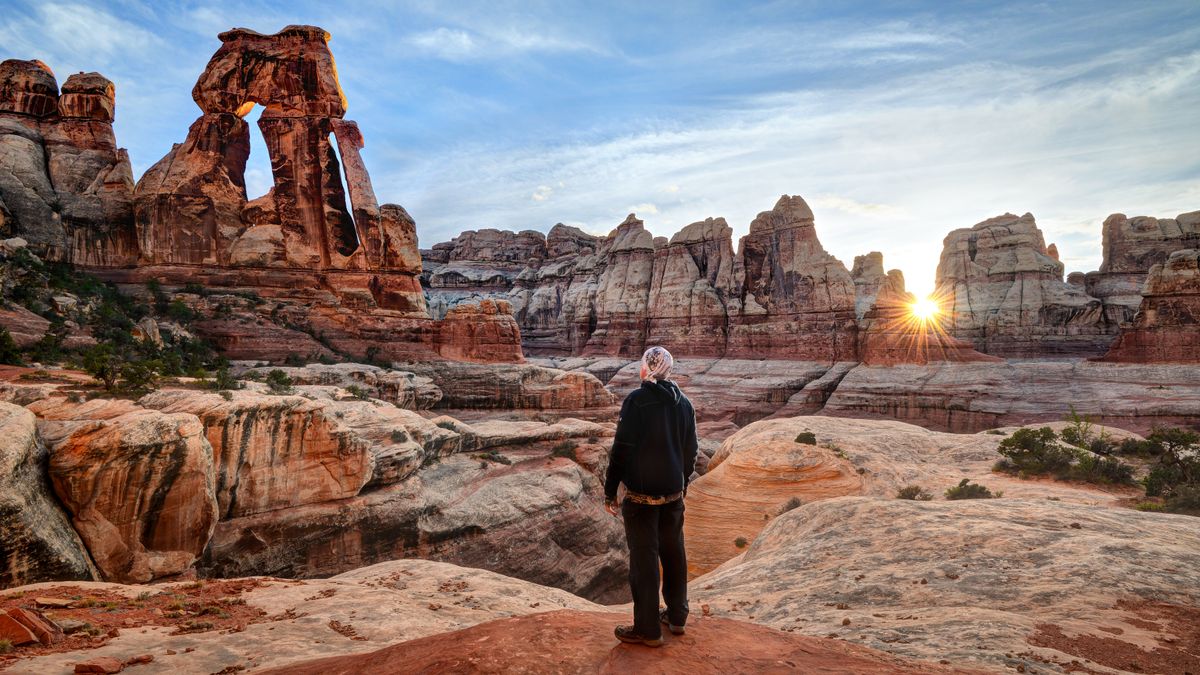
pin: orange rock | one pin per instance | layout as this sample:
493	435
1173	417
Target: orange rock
738	497
15	632
45	630
100	664
1165	329
138	484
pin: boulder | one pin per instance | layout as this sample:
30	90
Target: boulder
138	484
37	540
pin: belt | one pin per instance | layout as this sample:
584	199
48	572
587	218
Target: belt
651	500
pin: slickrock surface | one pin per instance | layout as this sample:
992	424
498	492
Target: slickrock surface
1166	328
284	622
968	397
573	641
756	471
137	483
1002	290
999	583
37	540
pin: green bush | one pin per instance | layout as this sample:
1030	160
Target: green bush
1184	499
102	363
6	645
10	353
1094	468
278	382
565	449
493	456
914	492
223	380
741	542
968	490
358	392
1034	451
807	438
399	436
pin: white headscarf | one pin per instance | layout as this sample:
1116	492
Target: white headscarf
658	363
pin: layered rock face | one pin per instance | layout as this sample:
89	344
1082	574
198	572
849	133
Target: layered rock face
612	296
65	186
1001	289
1131	247
792	288
1166	327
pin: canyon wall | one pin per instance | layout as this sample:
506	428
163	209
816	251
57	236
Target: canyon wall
1001	290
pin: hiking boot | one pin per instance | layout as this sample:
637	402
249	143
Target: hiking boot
675	630
628	634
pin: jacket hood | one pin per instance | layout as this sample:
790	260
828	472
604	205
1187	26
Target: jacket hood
666	390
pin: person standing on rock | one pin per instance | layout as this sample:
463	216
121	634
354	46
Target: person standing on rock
653	454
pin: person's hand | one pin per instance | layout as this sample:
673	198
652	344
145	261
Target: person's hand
611	507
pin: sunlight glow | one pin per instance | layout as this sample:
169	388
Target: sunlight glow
925	309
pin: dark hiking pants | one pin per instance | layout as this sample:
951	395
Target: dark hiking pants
654	534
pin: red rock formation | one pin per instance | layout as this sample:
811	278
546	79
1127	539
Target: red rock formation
1131	247
1166	328
137	483
613	296
792	287
1001	290
572	641
623	291
69	187
484	332
693	290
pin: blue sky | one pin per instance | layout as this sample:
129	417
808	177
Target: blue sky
896	121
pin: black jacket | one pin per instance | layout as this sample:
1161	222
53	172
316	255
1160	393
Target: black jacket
654	452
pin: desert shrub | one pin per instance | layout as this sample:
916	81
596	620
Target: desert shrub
224	380
741	542
565	449
226	394
1139	448
1034	451
914	492
253	376
399	436
493	456
358	392
195	289
1078	431
1184	499
1154	507
139	377
1176	475
996	432
10	353
293	359
1094	468
102	363
161	301
793	503
278	382
6	645
807	438
968	490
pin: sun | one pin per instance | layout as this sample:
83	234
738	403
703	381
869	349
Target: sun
925	309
